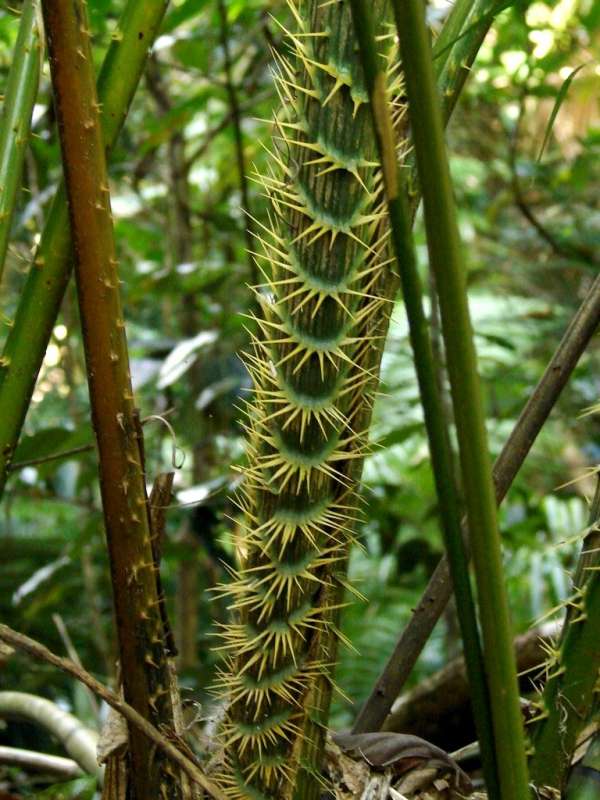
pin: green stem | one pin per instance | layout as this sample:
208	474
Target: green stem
441	456
140	625
21	91
573	672
457	46
46	283
448	266
236	119
453	27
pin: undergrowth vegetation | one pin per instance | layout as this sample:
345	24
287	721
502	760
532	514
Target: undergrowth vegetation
264	595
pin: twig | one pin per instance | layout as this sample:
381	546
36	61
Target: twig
32	462
41	653
560	248
74	656
239	140
533	416
84	448
219	127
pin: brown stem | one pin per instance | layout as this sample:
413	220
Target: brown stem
185	760
116	425
439	589
437	708
560	248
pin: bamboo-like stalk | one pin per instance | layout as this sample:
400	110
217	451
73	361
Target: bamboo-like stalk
589	557
46	283
447	263
21	91
439	443
142	650
572	672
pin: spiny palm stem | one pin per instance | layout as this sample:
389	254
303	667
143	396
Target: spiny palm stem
448	265
46	283
21	91
322	254
140	628
439	443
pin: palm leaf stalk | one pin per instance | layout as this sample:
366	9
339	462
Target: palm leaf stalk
140	628
19	98
447	263
322	254
439	443
46	283
572	672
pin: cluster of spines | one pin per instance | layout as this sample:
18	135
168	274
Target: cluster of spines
322	255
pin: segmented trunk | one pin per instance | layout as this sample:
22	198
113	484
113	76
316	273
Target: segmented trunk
322	256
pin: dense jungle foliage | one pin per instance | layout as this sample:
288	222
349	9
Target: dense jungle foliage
189	210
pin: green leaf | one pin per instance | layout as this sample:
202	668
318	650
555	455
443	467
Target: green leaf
401	434
50	442
560	98
186	11
500	6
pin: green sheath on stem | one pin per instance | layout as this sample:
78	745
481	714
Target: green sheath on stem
439	443
570	694
47	281
19	98
137	602
447	262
